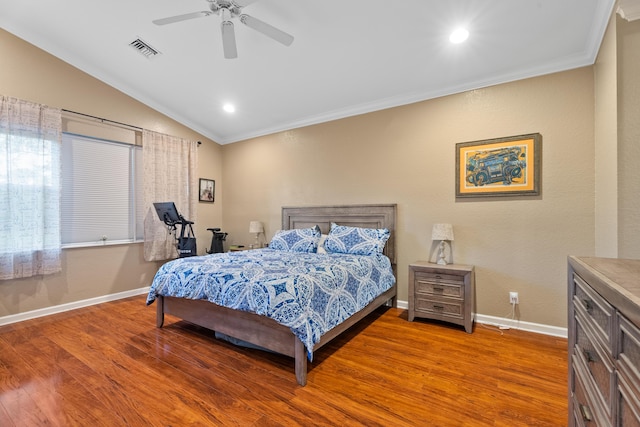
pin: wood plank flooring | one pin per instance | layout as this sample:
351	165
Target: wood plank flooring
108	365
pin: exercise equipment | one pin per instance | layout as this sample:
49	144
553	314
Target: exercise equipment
186	241
216	241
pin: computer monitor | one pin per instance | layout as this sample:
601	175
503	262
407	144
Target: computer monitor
167	213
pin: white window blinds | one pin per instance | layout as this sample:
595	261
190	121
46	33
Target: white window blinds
101	191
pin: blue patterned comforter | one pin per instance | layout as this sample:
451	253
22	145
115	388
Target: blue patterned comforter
308	292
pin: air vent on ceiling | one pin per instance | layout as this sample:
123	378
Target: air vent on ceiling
144	48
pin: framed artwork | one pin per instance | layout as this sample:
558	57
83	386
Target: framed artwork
499	167
207	190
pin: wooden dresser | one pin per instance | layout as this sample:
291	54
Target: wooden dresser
604	342
442	292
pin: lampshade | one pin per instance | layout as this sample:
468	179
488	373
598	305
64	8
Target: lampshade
256	227
442	232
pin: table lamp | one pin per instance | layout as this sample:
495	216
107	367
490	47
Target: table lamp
442	232
257	228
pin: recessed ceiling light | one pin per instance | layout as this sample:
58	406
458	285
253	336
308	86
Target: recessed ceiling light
229	108
459	35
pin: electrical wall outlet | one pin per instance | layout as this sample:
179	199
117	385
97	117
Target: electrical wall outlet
513	298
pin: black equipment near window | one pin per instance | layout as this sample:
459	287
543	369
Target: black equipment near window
186	241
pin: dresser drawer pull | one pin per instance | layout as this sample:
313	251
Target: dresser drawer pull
438	289
588	305
586	413
589	356
438	307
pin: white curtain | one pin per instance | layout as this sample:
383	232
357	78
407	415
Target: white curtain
30	141
170	175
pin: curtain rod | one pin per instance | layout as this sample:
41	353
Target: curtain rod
106	120
102	119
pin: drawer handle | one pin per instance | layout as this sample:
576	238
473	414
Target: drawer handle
438	290
438	307
589	356
586	413
439	277
588	305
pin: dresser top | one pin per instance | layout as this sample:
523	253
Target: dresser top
617	280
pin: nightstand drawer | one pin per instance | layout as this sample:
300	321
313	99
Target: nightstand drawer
439	289
440	307
433	277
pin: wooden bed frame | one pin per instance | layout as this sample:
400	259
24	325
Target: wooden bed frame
267	333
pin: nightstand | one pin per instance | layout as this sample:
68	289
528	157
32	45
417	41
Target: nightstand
442	292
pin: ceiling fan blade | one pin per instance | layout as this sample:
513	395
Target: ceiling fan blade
266	29
178	18
243	3
228	40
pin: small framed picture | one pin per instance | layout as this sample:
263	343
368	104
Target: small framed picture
207	190
499	167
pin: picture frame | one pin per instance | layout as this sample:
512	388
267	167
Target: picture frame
207	191
500	167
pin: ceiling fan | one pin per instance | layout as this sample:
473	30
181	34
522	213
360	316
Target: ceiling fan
229	9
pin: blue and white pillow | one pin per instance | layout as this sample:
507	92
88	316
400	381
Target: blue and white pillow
297	240
355	240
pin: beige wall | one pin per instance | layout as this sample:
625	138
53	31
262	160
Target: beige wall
628	108
406	155
29	73
606	146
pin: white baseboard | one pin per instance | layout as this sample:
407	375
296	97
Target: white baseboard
510	323
402	304
507	323
14	318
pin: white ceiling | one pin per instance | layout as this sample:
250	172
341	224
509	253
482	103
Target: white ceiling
348	57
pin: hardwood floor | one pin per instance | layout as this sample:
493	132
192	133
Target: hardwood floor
108	365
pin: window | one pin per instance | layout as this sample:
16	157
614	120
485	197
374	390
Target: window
101	191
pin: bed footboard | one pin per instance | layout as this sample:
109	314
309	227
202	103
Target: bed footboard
252	328
255	329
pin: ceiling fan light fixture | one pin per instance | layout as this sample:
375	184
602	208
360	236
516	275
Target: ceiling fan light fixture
459	35
229	108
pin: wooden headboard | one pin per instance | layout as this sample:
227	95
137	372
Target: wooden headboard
366	216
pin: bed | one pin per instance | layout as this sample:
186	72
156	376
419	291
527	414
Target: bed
265	332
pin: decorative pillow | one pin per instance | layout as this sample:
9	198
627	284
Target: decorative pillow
355	240
321	249
297	240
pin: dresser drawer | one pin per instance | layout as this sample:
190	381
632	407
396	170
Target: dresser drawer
587	410
440	307
598	365
450	290
598	312
629	349
628	407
